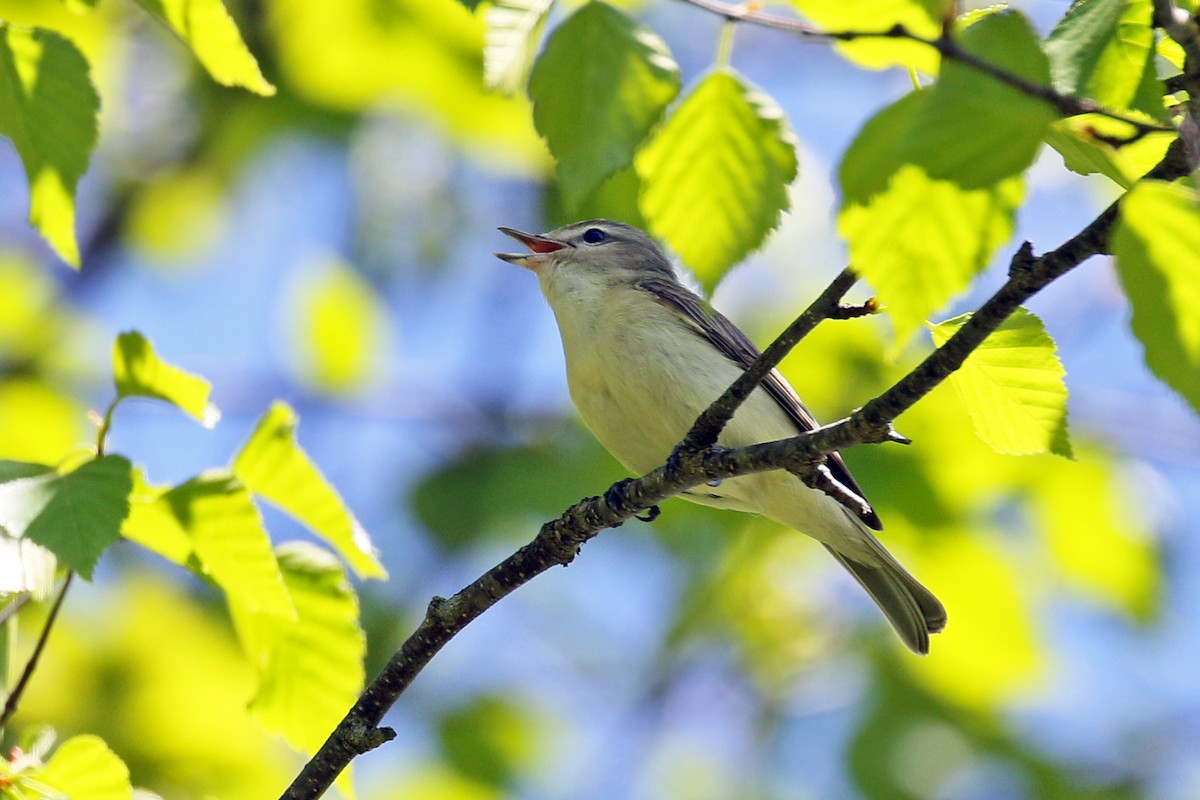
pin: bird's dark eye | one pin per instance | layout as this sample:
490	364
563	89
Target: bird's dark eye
594	236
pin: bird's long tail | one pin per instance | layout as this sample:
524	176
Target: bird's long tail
912	609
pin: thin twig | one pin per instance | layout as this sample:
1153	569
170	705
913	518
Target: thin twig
1067	105
14	697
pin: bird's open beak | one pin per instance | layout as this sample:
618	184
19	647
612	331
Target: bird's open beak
540	247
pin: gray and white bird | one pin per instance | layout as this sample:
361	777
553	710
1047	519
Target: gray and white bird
645	356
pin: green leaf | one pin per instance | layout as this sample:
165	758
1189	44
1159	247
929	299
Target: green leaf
1104	49
925	206
48	109
230	543
1077	140
920	17
152	522
509	39
340	323
25	489
139	372
715	176
491	739
599	86
310	668
1012	386
206	27
273	465
82	511
83	768
1157	247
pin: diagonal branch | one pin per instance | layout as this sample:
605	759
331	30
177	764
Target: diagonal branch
1067	105
558	541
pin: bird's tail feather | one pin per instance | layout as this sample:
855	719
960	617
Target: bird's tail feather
912	609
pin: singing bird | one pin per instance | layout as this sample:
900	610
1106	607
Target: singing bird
645	356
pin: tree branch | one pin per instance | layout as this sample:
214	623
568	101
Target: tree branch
559	540
14	697
1067	105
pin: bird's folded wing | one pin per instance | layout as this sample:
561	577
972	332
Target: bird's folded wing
729	339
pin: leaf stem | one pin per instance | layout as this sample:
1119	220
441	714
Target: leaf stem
14	697
725	44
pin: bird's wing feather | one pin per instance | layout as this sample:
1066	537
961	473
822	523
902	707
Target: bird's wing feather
734	345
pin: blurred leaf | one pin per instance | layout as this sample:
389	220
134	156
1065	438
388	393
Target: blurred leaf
488	493
272	464
1157	247
510	38
76	516
430	781
340	322
310	668
177	213
989	652
152	522
921	17
426	56
1012	386
1077	140
912	745
139	372
1098	538
925	207
229	540
599	86
83	768
715	176
25	489
615	198
491	739
1104	49
206	27
37	422
27	296
48	109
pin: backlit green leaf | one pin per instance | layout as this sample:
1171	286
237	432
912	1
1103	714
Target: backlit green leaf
48	109
152	522
1012	386
920	17
25	489
310	668
509	39
230	543
1104	50
925	205
84	768
599	86
273	465
1157	247
83	512
1077	140
715	176
206	27
139	372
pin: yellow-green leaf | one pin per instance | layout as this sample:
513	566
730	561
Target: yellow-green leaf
920	17
139	372
509	40
599	86
715	175
340	324
1012	386
273	465
230	542
206	27
1157	246
48	109
310	668
152	522
83	768
924	206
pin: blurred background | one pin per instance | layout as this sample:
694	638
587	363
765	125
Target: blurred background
332	246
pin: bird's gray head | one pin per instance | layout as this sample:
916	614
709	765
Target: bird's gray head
593	250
